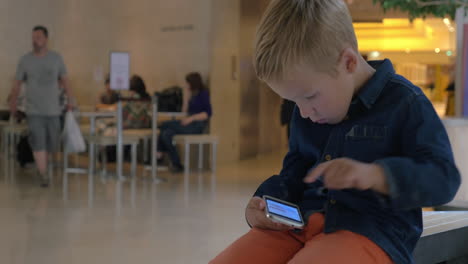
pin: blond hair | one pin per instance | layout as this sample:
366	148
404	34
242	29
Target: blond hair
302	32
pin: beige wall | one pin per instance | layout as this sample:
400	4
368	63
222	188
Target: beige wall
225	85
260	129
249	121
250	92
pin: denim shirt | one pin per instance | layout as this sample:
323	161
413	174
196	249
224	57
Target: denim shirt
390	122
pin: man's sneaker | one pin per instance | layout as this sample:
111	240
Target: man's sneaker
45	181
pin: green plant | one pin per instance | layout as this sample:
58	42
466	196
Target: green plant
424	8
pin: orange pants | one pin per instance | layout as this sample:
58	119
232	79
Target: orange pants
310	246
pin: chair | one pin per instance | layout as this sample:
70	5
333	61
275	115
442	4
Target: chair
144	135
200	140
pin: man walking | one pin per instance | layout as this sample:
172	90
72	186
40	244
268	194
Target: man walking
43	72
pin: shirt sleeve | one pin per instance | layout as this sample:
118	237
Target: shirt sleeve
206	105
425	175
62	68
200	103
289	185
21	71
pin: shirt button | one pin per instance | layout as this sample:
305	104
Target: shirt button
346	117
332	201
328	157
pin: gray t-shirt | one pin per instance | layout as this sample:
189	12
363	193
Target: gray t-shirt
41	76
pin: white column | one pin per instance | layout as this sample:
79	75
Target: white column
460	19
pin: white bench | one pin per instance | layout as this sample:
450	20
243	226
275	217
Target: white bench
200	140
145	135
444	239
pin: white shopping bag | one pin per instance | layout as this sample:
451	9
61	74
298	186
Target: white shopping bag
72	137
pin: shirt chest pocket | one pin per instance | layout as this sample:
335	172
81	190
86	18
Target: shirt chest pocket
366	143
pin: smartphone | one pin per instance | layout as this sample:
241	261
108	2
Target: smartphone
283	212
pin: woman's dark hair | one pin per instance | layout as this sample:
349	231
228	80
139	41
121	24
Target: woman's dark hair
195	82
138	86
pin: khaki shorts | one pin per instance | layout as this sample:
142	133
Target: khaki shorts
44	133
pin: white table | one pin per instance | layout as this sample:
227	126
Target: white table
92	118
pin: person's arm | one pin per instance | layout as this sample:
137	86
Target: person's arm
426	174
199	117
65	83
421	174
202	116
20	76
289	185
13	97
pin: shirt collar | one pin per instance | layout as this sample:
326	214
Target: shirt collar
371	91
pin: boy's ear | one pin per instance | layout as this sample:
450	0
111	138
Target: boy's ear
349	60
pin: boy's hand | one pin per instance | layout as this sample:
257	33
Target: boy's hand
347	174
255	215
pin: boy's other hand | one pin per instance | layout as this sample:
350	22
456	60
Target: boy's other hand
255	215
350	174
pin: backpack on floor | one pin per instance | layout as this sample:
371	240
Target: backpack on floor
24	154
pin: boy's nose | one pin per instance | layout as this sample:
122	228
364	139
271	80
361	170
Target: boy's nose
307	112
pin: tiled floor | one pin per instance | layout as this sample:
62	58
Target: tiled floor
188	219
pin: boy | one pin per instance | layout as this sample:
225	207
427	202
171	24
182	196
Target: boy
367	149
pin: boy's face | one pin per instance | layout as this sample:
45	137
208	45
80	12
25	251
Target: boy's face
322	98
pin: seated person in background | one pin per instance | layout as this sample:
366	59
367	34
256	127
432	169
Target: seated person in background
450	108
135	110
107	98
198	107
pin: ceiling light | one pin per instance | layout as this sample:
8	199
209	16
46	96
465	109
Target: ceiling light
374	54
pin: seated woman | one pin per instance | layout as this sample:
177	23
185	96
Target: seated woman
198	107
135	110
